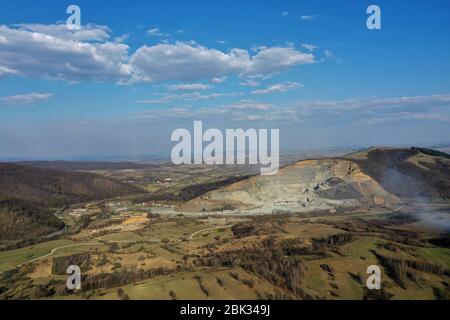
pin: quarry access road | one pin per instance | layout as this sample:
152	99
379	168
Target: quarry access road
365	214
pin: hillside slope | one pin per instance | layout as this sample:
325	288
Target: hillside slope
52	188
378	177
20	220
29	197
418	174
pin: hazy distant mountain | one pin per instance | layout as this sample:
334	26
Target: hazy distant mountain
85	165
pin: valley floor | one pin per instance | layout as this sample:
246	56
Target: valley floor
222	257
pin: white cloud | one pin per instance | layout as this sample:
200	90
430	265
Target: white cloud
218	79
249	105
61	54
403	116
193	96
26	99
309	17
309	47
187	61
89	32
278	88
331	56
4	71
275	59
250	83
197	96
161	100
155	32
358	111
189	86
121	38
57	53
374	104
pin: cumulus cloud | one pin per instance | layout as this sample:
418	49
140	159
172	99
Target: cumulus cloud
90	54
89	32
61	55
187	61
26	99
278	88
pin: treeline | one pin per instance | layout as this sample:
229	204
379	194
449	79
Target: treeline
380	229
244	229
258	226
194	191
20	220
333	240
60	264
401	270
121	278
189	192
269	261
443	241
431	152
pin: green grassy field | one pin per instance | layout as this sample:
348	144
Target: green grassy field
338	273
11	259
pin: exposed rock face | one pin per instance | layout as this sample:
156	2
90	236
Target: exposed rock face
377	177
312	185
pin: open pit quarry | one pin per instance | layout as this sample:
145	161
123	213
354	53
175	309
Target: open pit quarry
374	178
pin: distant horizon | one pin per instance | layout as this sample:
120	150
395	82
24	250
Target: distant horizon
166	157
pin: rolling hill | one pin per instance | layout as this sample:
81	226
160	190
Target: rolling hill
29	196
415	173
377	177
85	165
53	188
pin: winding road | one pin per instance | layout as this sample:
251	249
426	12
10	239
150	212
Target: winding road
56	249
191	237
208	229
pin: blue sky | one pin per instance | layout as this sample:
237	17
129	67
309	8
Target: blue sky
138	69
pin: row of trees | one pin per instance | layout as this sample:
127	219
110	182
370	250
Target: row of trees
268	261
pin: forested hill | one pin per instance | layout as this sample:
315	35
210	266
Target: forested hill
53	188
30	196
